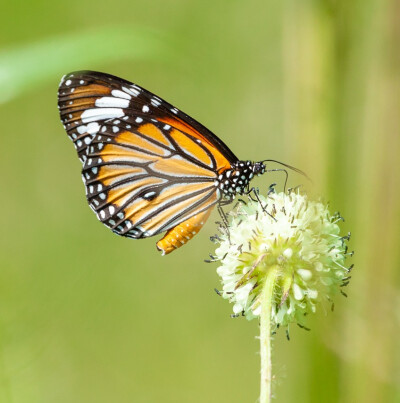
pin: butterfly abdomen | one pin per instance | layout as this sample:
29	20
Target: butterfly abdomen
182	233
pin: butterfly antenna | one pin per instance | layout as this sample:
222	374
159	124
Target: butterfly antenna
290	167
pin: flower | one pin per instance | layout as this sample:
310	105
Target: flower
296	237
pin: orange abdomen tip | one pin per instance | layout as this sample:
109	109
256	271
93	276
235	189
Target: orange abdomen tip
182	233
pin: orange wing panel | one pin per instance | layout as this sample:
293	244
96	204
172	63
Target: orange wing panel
120	194
153	132
180	167
109	174
190	147
139	142
115	152
222	162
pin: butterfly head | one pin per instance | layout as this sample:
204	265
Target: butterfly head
258	168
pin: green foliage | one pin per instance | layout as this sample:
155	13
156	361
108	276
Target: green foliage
30	65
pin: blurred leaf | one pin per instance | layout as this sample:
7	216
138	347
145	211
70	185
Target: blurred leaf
27	67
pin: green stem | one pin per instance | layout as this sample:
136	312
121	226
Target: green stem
265	335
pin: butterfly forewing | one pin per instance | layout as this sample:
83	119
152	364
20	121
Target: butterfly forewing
147	166
87	98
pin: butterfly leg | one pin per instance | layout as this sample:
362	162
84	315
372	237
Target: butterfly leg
225	223
238	202
255	192
271	189
249	192
222	214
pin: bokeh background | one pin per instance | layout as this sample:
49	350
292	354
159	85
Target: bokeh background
86	316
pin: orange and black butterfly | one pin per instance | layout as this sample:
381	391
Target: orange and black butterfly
147	167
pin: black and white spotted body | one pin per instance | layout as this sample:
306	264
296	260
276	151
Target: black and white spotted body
236	180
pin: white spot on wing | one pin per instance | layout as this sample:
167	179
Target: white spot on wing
111	102
149	194
93	128
155	102
132	91
92	115
120	94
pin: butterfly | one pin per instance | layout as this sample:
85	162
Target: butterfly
148	167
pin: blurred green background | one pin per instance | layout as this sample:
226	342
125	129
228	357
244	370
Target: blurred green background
86	316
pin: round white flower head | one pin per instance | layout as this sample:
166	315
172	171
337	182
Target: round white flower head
296	237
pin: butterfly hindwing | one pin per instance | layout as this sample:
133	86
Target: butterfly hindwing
139	182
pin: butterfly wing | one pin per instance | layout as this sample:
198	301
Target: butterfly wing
147	166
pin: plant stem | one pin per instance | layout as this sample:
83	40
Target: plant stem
265	335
